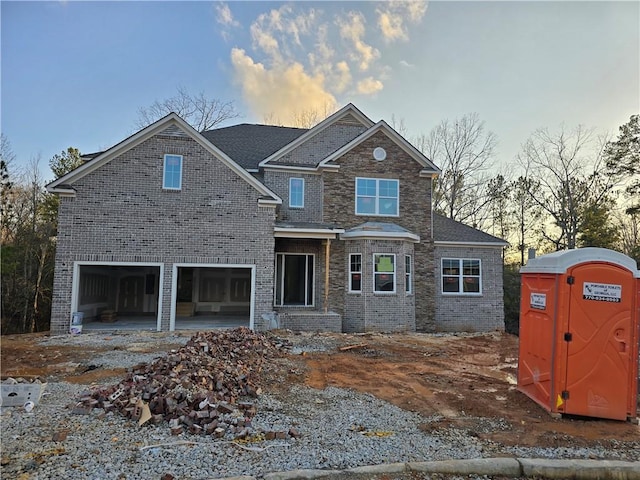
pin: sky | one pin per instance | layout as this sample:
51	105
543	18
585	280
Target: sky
77	73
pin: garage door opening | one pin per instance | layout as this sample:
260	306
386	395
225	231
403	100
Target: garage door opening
212	297
118	296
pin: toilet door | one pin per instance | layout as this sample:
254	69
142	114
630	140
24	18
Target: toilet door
598	340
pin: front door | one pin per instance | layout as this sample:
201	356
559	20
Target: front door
131	294
294	279
599	341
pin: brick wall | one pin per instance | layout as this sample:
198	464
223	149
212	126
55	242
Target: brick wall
371	311
122	214
322	144
455	313
278	182
415	216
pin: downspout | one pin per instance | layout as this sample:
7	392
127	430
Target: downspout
327	250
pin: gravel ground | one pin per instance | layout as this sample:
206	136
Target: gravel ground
338	429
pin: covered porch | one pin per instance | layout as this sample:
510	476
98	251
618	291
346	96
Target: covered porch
301	290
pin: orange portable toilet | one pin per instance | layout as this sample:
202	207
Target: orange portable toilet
579	319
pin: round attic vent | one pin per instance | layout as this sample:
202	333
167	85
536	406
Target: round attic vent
379	153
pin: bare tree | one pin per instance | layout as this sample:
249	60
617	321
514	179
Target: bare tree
199	111
6	206
301	118
464	150
399	126
570	173
527	212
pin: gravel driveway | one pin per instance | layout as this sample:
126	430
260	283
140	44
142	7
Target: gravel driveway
337	428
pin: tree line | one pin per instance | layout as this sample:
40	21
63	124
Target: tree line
567	188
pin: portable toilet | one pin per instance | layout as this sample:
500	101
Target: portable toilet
579	319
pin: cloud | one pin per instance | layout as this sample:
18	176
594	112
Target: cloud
285	91
353	30
225	17
405	64
302	59
391	26
369	86
394	15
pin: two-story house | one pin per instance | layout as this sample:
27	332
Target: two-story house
328	228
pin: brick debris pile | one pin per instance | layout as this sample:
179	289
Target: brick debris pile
208	386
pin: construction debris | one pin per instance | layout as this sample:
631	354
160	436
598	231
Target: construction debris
353	347
207	387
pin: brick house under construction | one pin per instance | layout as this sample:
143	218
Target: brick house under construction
322	229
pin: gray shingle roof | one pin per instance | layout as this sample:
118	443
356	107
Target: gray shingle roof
309	225
249	144
379	227
448	230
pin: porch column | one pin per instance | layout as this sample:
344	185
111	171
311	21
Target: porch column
327	250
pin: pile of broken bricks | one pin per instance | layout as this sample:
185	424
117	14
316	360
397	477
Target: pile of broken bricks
209	386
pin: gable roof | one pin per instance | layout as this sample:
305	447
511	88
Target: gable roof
451	232
249	144
348	111
382	126
172	124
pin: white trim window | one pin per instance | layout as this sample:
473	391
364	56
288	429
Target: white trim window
355	273
384	273
461	276
172	172
296	192
408	275
377	196
294	280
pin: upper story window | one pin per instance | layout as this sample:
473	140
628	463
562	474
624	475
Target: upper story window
355	272
377	196
172	177
296	192
384	273
461	276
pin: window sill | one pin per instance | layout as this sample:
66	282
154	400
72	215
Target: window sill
396	215
458	294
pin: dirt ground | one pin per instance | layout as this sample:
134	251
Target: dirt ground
466	382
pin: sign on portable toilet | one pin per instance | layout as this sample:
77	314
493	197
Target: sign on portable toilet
579	320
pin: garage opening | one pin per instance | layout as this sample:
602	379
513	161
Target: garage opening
213	297
118	296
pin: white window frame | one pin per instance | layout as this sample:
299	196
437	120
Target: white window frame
280	257
461	276
376	274
164	172
377	197
352	272
408	274
291	204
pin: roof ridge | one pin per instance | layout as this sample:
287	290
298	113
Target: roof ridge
254	125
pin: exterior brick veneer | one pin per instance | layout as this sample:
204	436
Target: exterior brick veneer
414	215
466	313
122	214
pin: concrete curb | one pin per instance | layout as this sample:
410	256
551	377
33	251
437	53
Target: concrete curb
503	467
507	467
580	469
